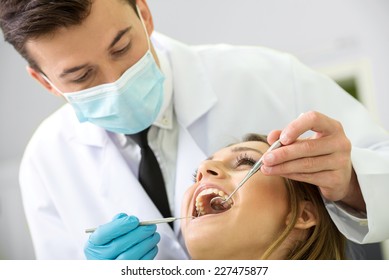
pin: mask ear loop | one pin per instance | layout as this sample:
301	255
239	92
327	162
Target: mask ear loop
144	28
53	86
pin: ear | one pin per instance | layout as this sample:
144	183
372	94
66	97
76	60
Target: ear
146	15
307	216
38	77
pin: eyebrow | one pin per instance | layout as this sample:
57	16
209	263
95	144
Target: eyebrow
119	35
117	38
72	70
241	149
245	149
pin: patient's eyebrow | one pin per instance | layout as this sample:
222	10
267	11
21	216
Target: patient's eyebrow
245	149
241	149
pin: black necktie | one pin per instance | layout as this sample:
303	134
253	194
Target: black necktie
150	175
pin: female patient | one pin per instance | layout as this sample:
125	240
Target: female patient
270	217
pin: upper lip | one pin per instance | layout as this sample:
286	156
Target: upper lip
205	186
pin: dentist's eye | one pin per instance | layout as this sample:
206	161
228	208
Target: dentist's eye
123	50
83	78
244	159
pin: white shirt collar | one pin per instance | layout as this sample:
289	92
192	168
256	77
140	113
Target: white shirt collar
165	117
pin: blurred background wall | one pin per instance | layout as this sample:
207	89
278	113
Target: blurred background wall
347	40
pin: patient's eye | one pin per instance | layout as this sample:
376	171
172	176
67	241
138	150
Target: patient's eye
194	176
244	159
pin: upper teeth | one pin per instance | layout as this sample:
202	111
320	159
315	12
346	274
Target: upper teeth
201	202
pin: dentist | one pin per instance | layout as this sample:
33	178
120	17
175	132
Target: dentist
119	78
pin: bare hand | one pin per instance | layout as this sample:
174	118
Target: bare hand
324	159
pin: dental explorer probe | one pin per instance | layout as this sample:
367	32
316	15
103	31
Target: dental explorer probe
217	202
150	222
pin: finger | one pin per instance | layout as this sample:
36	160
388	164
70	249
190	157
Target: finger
118	216
302	165
313	121
304	148
273	136
140	250
121	224
151	254
120	244
132	238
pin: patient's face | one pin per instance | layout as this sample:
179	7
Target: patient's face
256	218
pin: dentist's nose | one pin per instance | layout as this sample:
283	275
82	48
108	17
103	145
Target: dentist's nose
112	74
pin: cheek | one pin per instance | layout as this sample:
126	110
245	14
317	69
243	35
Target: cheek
265	207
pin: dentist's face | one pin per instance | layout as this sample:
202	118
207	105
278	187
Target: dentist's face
258	214
99	50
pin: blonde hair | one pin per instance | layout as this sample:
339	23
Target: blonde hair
324	241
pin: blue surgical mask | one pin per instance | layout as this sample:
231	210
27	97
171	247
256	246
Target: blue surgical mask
128	105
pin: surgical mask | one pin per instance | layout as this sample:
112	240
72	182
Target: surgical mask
128	105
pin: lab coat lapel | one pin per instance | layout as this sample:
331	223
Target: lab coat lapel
123	193
121	188
188	158
193	98
193	92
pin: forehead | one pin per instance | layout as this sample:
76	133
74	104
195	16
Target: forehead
75	43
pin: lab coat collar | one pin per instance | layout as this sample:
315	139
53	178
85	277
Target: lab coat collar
189	156
84	133
165	117
193	94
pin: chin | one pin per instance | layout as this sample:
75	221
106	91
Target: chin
206	249
213	250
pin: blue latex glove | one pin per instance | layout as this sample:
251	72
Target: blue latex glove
123	239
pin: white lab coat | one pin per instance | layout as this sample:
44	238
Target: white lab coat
73	177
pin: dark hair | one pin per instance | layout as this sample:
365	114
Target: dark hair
324	240
21	21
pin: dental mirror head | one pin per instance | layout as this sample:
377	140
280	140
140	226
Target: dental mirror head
219	203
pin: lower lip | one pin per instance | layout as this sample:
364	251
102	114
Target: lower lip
208	215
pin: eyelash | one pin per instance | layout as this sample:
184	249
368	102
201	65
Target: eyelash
83	77
194	176
242	159
123	50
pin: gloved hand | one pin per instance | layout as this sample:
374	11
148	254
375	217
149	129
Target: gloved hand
123	239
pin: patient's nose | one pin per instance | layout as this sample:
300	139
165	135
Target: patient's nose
210	168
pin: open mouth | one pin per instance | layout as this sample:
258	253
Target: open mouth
202	205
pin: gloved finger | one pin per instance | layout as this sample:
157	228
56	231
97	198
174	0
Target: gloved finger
142	249
120	244
118	216
151	254
121	224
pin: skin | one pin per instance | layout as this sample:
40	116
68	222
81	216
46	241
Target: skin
323	160
259	214
102	49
